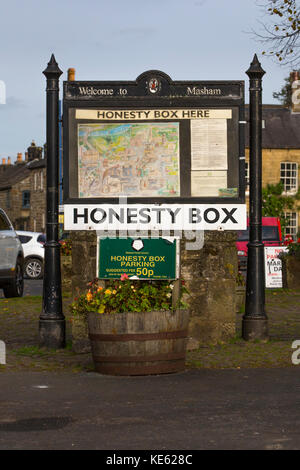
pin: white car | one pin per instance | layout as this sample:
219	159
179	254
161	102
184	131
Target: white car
11	259
34	252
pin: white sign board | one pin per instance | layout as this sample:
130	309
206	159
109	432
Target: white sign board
273	266
155	217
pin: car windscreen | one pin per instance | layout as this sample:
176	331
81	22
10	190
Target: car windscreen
24	238
243	235
269	233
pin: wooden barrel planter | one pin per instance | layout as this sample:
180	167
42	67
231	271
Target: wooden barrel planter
139	343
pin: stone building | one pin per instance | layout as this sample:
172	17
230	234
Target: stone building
280	155
23	189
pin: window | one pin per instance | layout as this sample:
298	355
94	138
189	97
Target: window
42	181
269	233
41	238
26	199
243	235
289	176
8	199
24	238
292	224
4	223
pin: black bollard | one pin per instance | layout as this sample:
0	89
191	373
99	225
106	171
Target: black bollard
255	321
52	321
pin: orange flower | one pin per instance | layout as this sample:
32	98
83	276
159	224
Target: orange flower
89	296
99	289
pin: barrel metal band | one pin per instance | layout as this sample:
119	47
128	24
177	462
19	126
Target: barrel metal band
139	337
142	369
153	358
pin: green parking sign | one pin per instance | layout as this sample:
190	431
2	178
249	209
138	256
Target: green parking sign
141	258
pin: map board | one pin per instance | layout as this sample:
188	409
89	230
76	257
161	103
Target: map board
154	138
130	159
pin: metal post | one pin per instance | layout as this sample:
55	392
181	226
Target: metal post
52	320
255	321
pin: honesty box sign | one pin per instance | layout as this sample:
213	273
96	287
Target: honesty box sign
273	266
155	217
138	258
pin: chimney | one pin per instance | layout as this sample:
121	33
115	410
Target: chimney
19	158
295	82
26	156
71	75
34	152
8	161
3	161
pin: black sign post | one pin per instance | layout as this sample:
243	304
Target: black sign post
255	321
52	320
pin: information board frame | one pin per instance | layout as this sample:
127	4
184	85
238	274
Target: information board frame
155	90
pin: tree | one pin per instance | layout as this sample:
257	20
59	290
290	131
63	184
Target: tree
275	204
281	34
285	94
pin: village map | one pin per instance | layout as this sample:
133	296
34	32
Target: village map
129	159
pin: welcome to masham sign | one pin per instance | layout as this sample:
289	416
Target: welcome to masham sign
154	154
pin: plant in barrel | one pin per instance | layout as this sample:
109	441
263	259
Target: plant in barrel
135	327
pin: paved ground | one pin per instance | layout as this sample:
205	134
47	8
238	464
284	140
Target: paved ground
233	395
19	329
30	288
199	409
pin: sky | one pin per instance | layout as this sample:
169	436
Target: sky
118	40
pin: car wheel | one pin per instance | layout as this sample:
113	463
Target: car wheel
33	268
15	289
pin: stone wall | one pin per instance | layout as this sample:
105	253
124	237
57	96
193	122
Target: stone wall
11	203
83	260
209	273
32	218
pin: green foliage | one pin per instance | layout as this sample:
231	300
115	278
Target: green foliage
293	249
30	351
126	295
274	204
284	96
240	279
66	247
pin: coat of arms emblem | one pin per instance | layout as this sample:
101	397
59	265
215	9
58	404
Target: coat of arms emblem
153	85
